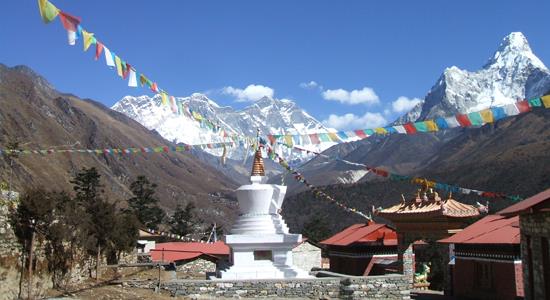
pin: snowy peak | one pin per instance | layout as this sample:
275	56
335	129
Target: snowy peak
514	72
514	49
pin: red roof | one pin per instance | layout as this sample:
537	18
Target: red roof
175	251
493	229
526	204
363	233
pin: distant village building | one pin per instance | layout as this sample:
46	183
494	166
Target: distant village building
307	255
427	217
487	259
147	241
534	224
362	249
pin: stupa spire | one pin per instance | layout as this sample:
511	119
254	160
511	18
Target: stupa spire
258	164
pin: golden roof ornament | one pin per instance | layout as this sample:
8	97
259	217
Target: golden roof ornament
258	164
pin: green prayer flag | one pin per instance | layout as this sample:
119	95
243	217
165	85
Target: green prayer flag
475	118
421	126
48	11
535	102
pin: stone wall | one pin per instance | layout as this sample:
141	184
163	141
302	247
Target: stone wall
195	268
535	238
388	286
306	256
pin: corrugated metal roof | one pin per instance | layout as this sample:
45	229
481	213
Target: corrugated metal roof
363	233
518	208
175	251
493	229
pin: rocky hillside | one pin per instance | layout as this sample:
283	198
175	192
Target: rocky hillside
39	117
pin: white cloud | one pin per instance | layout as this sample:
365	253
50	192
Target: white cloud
252	92
404	104
351	121
364	95
309	85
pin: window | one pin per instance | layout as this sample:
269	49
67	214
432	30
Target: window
263	255
483	275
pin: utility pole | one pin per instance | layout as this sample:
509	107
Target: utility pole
97	263
31	260
161	262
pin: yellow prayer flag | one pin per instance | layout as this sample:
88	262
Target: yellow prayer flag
380	130
333	136
487	115
164	98
288	140
48	11
430	124
546	101
88	39
118	64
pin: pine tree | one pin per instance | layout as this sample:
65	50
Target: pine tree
183	220
144	204
316	228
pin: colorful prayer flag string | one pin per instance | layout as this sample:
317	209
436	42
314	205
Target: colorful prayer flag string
473	119
420	180
316	191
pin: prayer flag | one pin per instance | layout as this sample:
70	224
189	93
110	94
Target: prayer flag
546	101
271	139
452	122
498	113
142	79
154	87
71	37
125	69
441	123
333	136
305	139
409	127
368	132
164	98
48	11
98	49
361	134
463	120
535	102
421	126
70	23
109	58
132	81
118	64
314	138
295	139
431	125
380	130
390	130
288	140
88	39
475	118
511	110
523	106
173	104
487	115
324	137
342	135
400	129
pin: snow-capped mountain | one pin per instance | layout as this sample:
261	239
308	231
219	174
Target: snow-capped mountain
513	72
267	114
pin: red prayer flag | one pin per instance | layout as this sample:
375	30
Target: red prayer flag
69	22
98	50
360	133
126	70
523	106
154	87
463	120
271	139
409	128
314	138
165	149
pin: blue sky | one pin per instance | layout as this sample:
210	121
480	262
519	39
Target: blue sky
366	54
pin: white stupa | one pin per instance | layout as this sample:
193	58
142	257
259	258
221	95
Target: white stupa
261	246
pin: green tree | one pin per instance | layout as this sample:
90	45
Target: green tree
316	228
183	220
144	204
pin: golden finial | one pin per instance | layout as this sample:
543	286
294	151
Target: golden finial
258	164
